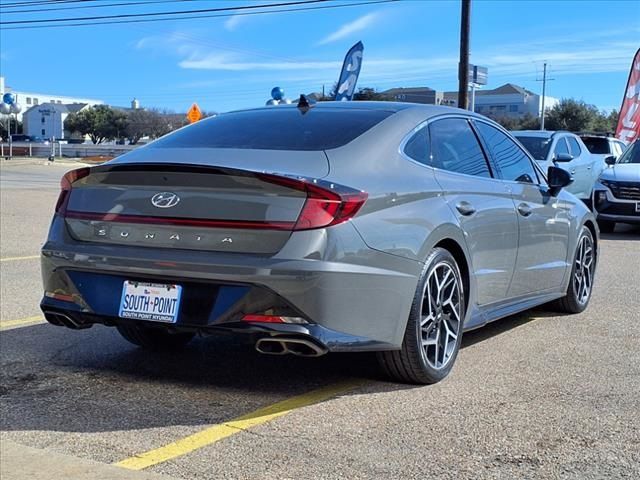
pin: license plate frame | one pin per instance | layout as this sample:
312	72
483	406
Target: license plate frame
154	302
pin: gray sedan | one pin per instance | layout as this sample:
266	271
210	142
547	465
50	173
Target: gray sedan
309	229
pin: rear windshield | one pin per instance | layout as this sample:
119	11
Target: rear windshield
597	144
277	128
538	147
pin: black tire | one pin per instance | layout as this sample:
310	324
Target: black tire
155	339
574	301
606	226
411	364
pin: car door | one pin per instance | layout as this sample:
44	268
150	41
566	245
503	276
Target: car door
480	202
543	223
587	167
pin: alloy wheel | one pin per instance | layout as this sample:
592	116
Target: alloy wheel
441	315
584	268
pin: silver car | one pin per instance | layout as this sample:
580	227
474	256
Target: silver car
353	226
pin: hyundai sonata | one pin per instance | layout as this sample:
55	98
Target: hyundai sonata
334	227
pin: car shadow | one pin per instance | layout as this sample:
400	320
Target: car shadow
53	379
622	232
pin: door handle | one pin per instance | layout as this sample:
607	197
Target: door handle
589	167
573	170
524	209
465	208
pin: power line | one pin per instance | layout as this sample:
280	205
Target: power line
197	17
102	5
155	14
40	2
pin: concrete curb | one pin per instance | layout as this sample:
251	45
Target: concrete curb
19	462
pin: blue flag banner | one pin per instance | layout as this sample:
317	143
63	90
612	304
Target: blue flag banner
349	74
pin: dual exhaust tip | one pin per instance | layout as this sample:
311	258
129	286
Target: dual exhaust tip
63	320
286	345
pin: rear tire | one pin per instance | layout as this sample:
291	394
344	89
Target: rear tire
606	226
154	339
582	275
434	329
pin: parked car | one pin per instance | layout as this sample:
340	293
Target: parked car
616	196
344	226
565	150
18	137
603	145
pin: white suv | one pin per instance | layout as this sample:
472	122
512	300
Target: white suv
565	150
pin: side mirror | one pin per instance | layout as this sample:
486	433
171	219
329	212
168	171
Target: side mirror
558	178
562	157
610	160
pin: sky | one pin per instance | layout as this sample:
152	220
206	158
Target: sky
233	62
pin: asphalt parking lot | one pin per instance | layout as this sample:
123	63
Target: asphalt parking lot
532	396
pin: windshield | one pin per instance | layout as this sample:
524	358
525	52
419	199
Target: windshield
631	154
597	145
538	147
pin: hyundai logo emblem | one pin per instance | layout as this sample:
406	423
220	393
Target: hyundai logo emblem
165	200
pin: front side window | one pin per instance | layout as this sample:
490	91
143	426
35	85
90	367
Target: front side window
561	147
454	147
575	146
512	162
417	147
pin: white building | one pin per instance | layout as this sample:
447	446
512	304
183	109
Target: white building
30	99
47	120
509	100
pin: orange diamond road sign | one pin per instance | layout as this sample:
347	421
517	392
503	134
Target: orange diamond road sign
194	114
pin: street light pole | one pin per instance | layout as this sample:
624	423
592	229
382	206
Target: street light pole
463	65
544	89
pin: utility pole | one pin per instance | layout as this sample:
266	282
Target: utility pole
463	65
544	92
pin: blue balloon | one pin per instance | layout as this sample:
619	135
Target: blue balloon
9	98
277	93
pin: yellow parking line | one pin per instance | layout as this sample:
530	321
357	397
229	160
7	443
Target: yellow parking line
237	425
23	322
15	259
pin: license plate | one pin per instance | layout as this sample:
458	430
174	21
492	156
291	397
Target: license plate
150	301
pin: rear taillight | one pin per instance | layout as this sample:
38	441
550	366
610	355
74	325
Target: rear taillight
327	203
65	187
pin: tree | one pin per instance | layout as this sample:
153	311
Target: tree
368	93
143	123
100	122
576	116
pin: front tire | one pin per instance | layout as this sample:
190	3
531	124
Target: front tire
582	275
154	339
434	329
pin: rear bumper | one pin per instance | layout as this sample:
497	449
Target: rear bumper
353	298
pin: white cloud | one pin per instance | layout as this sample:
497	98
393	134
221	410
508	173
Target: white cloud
232	23
347	29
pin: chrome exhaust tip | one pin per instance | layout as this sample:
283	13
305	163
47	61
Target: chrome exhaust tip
62	320
294	346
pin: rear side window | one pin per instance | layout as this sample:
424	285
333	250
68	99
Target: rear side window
598	145
417	147
574	146
277	128
513	163
454	147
